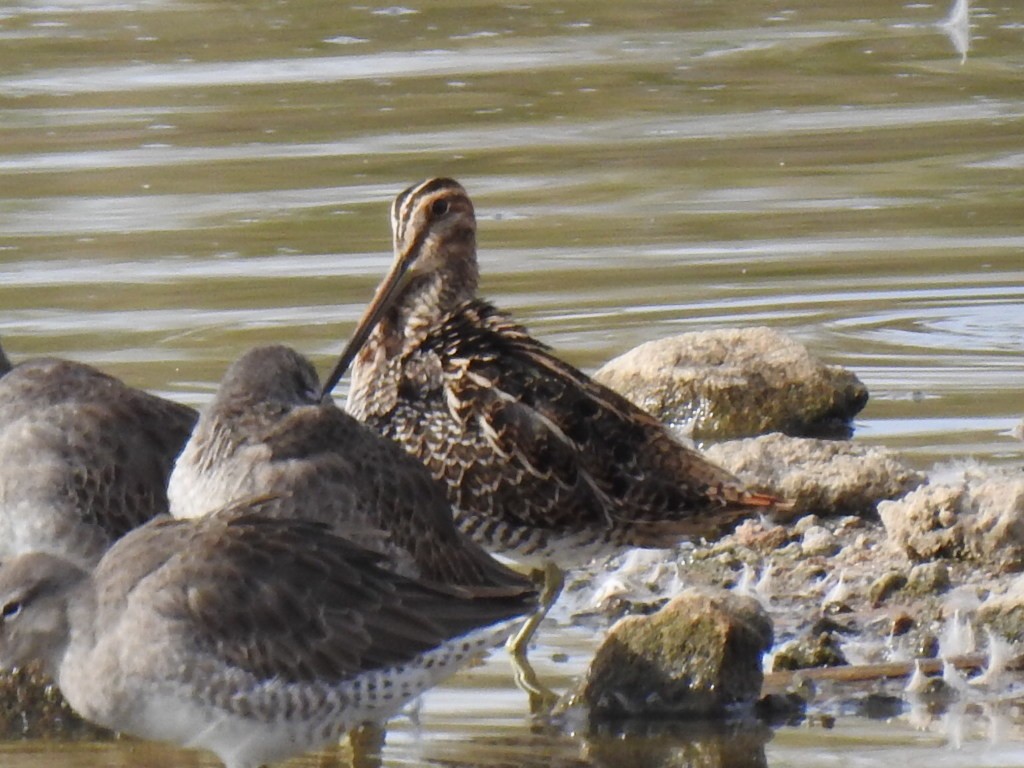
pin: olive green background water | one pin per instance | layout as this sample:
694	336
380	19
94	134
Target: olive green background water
183	179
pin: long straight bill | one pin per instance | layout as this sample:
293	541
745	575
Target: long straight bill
386	292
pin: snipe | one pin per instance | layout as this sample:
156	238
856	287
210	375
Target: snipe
252	637
268	431
84	458
541	463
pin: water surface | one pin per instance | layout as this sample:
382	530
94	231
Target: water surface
183	179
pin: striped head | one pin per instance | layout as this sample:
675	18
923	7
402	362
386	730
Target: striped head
433	227
432	223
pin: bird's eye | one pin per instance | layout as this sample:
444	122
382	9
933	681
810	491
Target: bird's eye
10	610
439	207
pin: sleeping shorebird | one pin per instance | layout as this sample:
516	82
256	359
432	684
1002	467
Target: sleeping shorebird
542	464
84	458
267	431
253	637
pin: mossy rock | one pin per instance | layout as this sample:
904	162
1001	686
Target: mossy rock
31	706
820	650
698	656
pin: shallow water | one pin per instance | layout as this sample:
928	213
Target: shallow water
181	180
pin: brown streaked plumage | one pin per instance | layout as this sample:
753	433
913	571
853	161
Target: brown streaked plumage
252	637
84	458
267	431
541	462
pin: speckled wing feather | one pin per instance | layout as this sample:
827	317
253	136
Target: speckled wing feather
47	381
115	445
115	468
43	382
333	461
582	454
288	601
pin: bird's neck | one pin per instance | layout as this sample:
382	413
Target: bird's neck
74	622
431	296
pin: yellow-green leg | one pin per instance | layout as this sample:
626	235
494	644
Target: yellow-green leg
542	698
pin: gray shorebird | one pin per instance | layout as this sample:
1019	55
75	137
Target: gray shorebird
541	463
84	458
268	431
251	637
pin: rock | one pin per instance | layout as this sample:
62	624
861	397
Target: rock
828	624
826	477
818	540
981	517
850	523
881	706
997	524
928	579
926	524
31	706
1004	614
927	646
901	624
801	526
885	586
737	382
753	534
817	650
936	693
781	708
697	657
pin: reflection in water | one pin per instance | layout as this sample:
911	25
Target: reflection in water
958	27
116	753
680	745
648	744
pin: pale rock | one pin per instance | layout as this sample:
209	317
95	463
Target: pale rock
981	517
818	540
825	477
737	382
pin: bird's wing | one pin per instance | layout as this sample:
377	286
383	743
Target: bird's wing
290	601
353	474
576	449
111	447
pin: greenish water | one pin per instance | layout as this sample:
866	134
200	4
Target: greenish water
183	179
